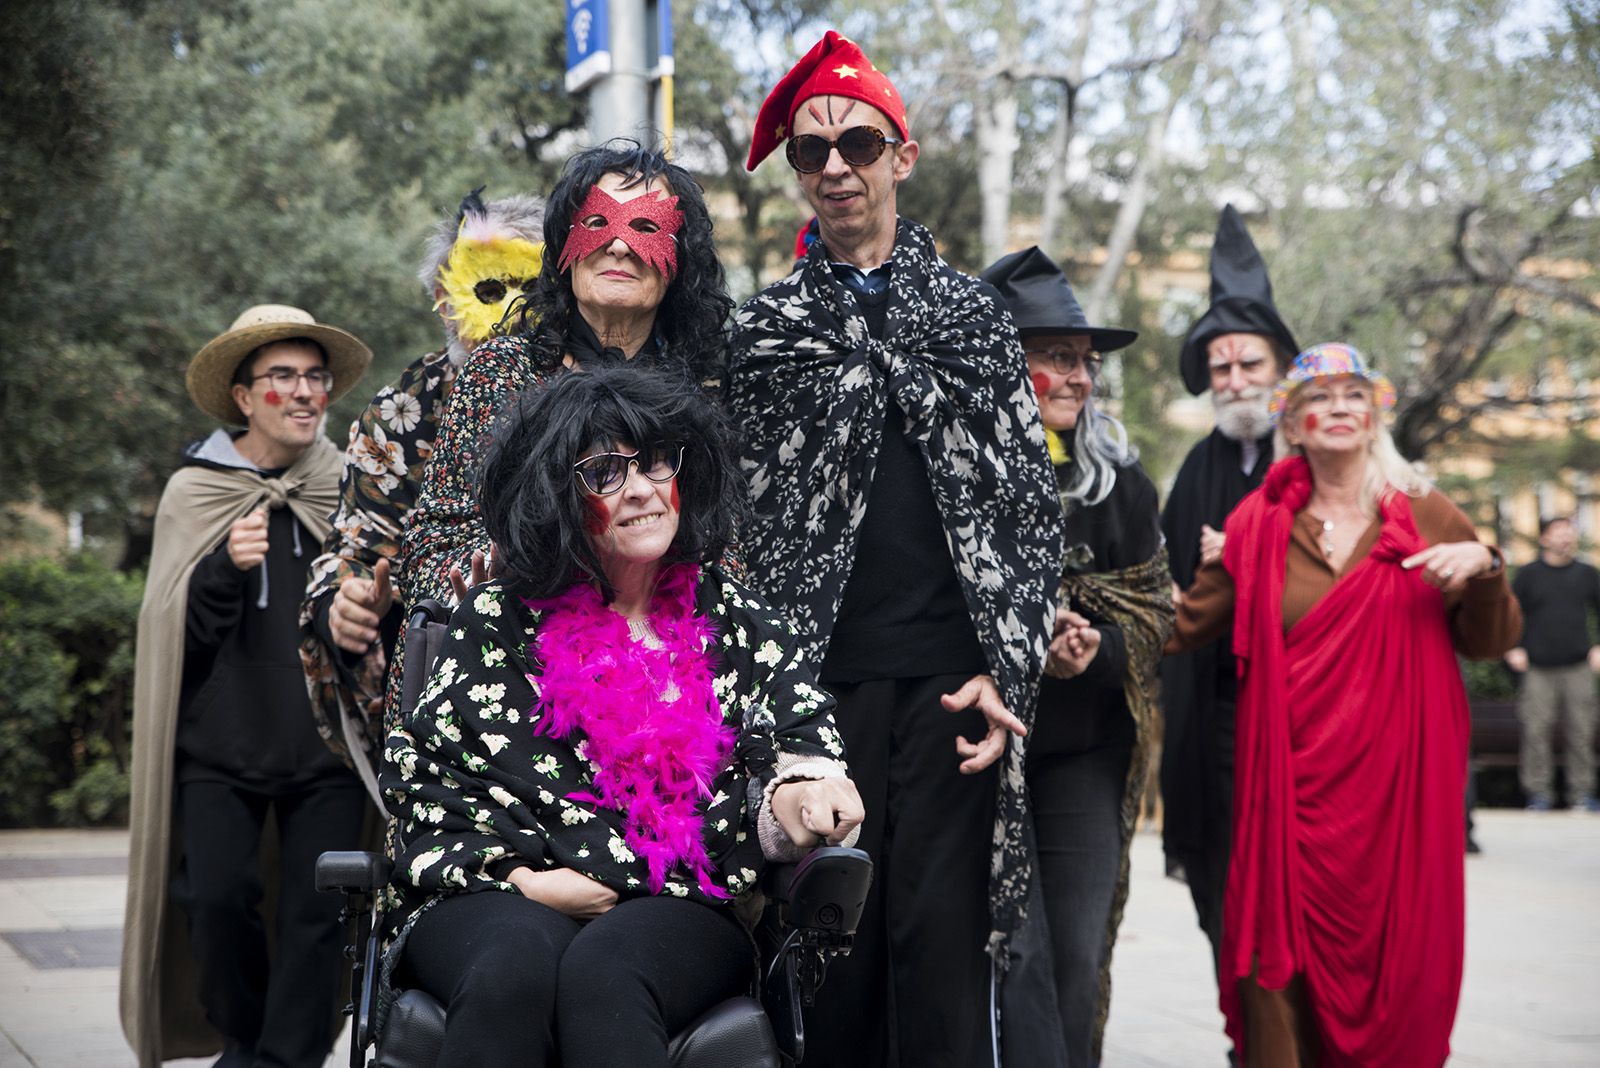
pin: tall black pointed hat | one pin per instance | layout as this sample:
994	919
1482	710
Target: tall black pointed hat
1041	300
1241	302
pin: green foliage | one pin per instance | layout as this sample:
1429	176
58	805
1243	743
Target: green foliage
66	691
1489	680
168	163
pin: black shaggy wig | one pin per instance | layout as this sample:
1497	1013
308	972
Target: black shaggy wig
533	505
693	317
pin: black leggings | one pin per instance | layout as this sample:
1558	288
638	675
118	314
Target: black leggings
521	980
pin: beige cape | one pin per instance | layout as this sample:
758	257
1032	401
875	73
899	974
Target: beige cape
161	1014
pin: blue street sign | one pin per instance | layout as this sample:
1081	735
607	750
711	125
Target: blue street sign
588	43
663	38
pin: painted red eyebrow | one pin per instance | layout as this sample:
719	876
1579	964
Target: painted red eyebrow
815	114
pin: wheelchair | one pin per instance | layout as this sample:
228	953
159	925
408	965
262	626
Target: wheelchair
817	904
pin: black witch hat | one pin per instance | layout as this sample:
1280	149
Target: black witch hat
1241	301
1041	300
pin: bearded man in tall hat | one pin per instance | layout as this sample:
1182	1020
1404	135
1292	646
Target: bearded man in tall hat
479	262
1238	349
233	795
907	521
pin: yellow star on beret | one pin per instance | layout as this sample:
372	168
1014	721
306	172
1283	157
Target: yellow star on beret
845	70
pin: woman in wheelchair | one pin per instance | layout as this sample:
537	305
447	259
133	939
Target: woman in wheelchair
614	739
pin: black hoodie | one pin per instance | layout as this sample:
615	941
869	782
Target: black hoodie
244	717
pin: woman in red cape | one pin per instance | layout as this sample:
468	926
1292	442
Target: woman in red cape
1351	585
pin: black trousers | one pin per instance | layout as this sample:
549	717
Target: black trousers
280	1007
1076	800
520	980
915	990
1207	872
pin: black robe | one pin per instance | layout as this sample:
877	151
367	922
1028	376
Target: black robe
1198	688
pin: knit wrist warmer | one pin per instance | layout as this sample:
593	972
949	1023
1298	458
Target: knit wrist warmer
776	845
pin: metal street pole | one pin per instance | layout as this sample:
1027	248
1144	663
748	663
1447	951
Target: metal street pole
619	101
616	50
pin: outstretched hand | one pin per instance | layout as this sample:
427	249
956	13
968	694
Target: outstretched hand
981	693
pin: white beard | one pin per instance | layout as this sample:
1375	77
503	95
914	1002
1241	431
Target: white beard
1244	416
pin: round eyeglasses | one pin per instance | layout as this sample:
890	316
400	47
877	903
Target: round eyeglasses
1065	361
318	379
859	146
605	473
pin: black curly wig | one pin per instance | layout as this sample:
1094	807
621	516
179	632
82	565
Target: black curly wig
533	506
693	318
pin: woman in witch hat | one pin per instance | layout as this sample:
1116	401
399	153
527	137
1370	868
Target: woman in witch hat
1087	756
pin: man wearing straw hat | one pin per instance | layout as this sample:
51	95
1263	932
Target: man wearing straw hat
222	731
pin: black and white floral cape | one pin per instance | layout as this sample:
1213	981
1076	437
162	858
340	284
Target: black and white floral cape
472	785
809	385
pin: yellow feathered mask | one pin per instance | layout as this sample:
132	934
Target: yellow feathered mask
486	272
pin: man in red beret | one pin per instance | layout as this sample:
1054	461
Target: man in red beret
907	521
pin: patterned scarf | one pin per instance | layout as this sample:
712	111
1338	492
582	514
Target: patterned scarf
810	387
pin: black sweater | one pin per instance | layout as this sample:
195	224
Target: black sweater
1555	608
1089	710
903	614
244	718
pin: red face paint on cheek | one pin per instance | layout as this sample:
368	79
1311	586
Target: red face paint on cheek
1311	421
598	517
1041	383
676	506
321	400
273	397
1366	420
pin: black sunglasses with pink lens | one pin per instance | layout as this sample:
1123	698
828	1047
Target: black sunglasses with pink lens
859	146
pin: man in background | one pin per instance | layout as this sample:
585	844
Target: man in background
1558	663
1237	350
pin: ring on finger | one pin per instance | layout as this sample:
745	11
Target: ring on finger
1448	572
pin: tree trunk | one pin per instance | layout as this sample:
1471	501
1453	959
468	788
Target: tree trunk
1060	154
1150	162
1134	200
996	130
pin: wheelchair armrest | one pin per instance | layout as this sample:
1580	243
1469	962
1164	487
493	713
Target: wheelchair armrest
427	611
826	890
352	872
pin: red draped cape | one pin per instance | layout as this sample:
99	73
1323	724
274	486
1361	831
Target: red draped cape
1350	765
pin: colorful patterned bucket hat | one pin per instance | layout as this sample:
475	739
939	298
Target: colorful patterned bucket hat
1331	360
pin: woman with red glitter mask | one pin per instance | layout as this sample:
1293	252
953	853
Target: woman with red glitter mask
631	275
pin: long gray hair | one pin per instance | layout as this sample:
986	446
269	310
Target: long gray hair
1099	446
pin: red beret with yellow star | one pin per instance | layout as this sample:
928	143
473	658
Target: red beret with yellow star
835	66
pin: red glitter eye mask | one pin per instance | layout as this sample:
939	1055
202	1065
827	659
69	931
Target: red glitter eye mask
658	249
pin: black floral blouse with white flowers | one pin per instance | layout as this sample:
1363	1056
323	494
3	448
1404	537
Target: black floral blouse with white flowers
473	785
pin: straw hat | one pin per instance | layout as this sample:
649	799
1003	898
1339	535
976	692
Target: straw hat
210	377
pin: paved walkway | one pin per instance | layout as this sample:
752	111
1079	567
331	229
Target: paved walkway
1532	996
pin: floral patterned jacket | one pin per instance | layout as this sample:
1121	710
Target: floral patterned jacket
472	785
390	445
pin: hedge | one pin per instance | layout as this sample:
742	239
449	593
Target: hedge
66	691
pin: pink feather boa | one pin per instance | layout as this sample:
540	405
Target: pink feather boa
656	758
